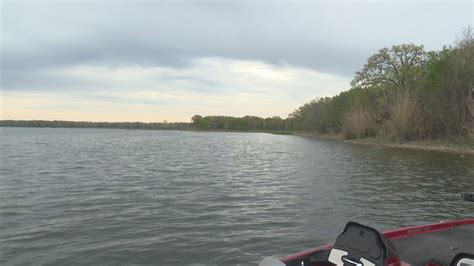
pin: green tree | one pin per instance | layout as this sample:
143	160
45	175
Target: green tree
197	121
396	66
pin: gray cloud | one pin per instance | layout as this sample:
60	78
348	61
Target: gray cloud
327	37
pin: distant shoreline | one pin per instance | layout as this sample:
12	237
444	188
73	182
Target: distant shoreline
461	146
87	124
172	126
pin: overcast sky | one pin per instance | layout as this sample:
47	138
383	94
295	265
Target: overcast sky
149	61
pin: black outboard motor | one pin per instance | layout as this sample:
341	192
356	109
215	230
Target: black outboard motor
360	245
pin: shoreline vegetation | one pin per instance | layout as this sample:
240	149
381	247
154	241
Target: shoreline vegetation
459	146
403	97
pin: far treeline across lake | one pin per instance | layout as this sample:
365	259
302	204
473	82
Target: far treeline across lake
402	93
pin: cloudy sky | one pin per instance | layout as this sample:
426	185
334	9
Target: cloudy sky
154	60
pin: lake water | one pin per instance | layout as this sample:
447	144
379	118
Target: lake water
107	197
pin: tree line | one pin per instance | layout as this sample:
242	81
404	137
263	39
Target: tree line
217	123
246	123
403	93
84	124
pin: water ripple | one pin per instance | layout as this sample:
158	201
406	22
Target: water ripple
87	196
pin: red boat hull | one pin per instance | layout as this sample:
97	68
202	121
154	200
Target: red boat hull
443	229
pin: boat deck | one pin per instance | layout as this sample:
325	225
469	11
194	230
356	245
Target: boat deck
439	246
417	245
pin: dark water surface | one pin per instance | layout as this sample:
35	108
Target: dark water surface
106	197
